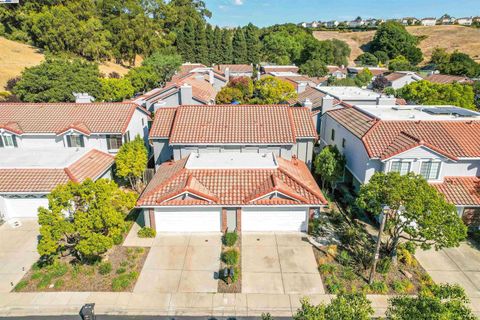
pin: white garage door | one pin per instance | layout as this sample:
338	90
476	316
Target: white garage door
187	220
23	207
274	219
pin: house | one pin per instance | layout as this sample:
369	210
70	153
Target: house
332	24
101	126
27	176
438	142
234	70
191	89
359	22
299	82
466	21
446	78
409	21
275	68
399	79
213	192
376	71
428	22
337	72
354	95
446	19
280	129
313	99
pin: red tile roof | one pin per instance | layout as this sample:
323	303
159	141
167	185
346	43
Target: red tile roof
445	78
461	191
91	165
384	139
233	68
231	124
59	117
315	96
268	69
232	186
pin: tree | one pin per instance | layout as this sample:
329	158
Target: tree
314	68
239	43
425	92
253	44
272	90
217	46
419	213
476	92
229	95
367	59
201	46
380	83
382	56
400	63
330	165
210	36
142	78
83	220
343	307
131	162
116	89
392	38
457	63
345	82
364	77
440	302
226	48
55	80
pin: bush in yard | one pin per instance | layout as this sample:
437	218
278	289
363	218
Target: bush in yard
348	274
230	257
131	162
403	286
230	238
334	285
343	307
21	285
123	281
327	268
105	268
384	265
121	270
344	258
146	232
377	287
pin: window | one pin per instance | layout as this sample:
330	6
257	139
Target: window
429	170
343	143
332	135
75	141
114	142
8	141
401	167
126	136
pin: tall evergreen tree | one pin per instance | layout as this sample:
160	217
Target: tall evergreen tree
253	44
186	40
210	35
217	46
226	51
240	47
201	49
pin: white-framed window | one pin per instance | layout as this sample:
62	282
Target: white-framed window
430	170
114	141
75	141
402	167
8	141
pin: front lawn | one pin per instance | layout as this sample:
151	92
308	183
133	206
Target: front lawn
118	271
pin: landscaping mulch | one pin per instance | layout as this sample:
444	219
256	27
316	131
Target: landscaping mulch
236	287
126	265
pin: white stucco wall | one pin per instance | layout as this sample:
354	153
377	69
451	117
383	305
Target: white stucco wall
400	83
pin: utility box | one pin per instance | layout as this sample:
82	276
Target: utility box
88	311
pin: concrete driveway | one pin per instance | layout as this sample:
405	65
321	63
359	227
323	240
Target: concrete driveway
454	265
279	263
181	263
18	251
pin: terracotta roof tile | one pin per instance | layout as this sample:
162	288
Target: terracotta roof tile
55	117
445	78
215	124
90	165
232	186
234	68
462	191
315	96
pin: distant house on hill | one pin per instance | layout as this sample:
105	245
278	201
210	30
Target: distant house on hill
446	78
466	21
399	79
428	22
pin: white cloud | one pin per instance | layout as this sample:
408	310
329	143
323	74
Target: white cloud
238	2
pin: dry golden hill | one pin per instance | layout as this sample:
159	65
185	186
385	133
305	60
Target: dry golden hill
16	56
464	39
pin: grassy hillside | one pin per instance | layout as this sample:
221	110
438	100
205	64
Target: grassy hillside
452	38
16	56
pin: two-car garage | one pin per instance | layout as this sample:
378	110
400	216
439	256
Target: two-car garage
209	219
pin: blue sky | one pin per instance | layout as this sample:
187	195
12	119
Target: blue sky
267	12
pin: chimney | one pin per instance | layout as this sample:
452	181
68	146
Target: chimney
186	96
307	103
227	73
327	103
301	86
386	100
83	97
211	78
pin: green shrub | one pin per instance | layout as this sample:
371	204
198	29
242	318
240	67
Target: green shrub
230	238
344	258
105	268
117	239
379	287
402	286
146	232
21	285
333	284
139	250
121	270
410	247
58	269
58	284
384	265
36	275
348	274
45	281
266	316
236	274
121	283
230	257
327	268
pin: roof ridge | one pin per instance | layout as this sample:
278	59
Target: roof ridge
308	188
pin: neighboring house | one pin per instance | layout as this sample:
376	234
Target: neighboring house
234	70
355	95
467	21
408	21
438	142
275	68
213	192
332	24
299	82
428	22
446	20
27	176
337	72
446	78
376	71
399	79
102	126
359	22
280	129
313	99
